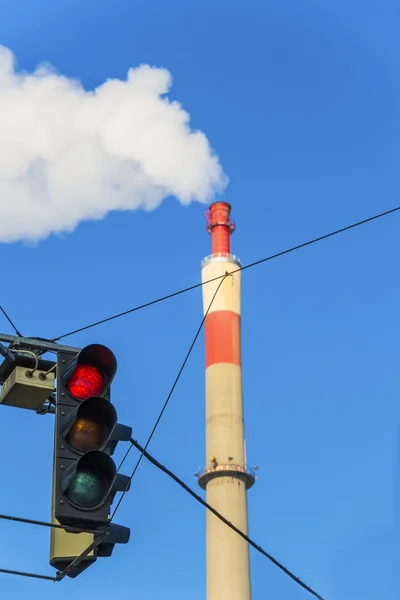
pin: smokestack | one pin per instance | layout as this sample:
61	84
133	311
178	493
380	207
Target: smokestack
225	478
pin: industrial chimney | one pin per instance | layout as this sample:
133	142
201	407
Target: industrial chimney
226	477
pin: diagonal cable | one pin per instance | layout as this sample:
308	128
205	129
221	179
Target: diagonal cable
170	392
248	266
224	520
97	541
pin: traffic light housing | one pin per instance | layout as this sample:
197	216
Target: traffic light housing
86	434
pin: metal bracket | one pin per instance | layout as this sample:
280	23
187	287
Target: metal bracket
4	351
97	541
38	343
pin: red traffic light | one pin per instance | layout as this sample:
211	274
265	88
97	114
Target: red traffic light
86	381
91	372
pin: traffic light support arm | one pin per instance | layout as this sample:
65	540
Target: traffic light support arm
97	541
102	536
36	343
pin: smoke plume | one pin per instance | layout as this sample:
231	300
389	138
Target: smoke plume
68	155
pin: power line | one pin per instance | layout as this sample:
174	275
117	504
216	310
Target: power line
155	462
47	524
248	266
10	321
223	519
25	574
143	449
42	524
170	393
95	543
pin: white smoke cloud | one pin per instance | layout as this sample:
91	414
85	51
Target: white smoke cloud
69	155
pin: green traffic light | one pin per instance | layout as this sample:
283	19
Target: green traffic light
87	488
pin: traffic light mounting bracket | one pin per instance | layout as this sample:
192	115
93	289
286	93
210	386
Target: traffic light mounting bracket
27	380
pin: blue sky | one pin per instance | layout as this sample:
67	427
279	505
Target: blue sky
300	100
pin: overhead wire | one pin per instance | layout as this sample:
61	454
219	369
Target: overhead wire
156	463
61	574
26	574
242	268
143	450
48	524
171	391
41	524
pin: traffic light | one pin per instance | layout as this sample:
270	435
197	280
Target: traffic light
86	434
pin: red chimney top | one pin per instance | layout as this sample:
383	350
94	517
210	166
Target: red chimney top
220	227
